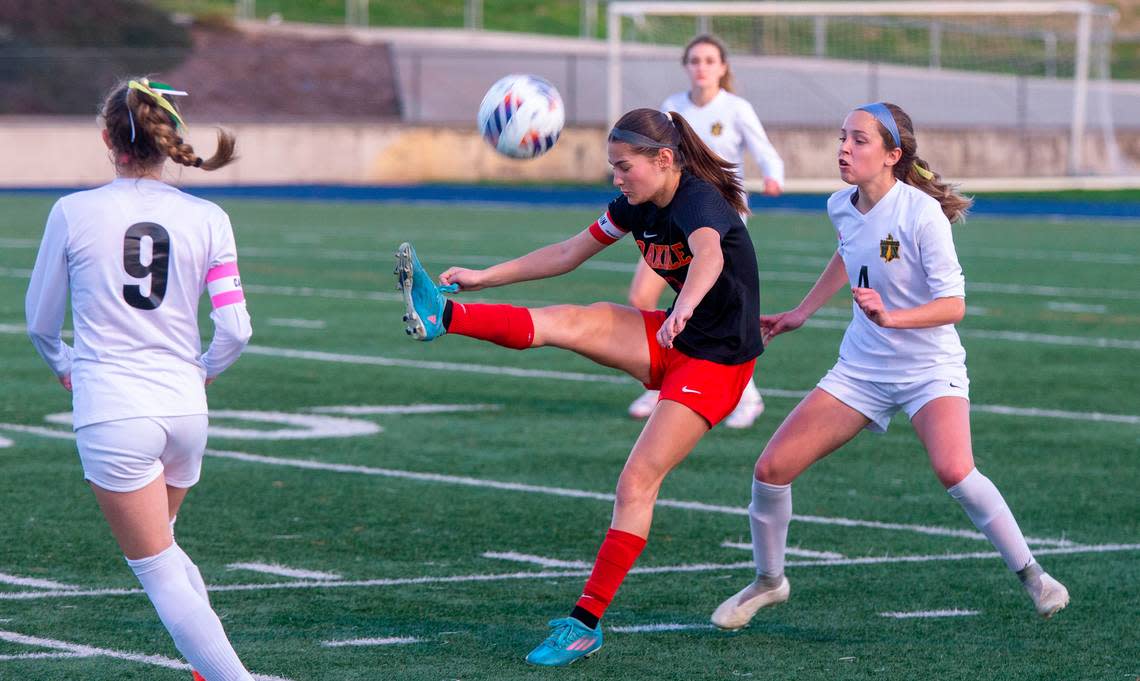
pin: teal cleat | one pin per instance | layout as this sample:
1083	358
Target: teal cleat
569	641
423	299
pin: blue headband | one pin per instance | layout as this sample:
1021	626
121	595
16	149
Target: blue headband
638	140
883	115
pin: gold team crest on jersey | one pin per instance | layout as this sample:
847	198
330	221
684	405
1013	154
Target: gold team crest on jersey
717	129
889	248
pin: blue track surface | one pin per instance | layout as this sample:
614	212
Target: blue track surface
600	196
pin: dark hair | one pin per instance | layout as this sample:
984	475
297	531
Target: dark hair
954	205
128	113
726	81
672	131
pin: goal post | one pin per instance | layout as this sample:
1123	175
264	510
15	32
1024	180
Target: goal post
1040	47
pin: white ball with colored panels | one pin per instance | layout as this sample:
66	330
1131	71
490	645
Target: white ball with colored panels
521	116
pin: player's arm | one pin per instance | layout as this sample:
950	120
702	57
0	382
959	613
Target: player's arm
704	269
938	312
762	150
832	279
46	302
548	261
232	327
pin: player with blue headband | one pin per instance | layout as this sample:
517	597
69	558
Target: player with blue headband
901	352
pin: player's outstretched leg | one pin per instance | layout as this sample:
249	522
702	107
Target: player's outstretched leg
569	641
1048	595
423	298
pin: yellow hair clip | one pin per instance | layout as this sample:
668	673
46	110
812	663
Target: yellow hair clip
923	172
157	94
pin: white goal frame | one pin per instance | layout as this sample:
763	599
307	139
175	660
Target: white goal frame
1081	11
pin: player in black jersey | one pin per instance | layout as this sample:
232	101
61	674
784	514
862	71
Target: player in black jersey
682	203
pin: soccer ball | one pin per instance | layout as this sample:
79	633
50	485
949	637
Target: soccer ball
521	116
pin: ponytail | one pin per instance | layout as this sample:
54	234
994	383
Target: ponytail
697	158
144	128
915	171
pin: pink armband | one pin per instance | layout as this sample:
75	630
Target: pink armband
224	284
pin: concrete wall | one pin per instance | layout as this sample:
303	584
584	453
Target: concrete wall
52	152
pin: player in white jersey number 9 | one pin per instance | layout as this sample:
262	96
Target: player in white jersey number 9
900	352
728	124
136	256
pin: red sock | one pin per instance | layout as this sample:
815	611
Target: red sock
618	553
506	325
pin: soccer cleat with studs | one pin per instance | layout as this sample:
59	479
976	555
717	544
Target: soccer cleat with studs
1048	595
569	641
423	299
738	611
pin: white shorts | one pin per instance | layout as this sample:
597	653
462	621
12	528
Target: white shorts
880	401
128	454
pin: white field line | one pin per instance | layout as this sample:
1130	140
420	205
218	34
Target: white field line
1015	336
373	360
620	379
284	571
931	613
15	580
390	641
79	650
308	464
791	551
657	628
555	574
37	430
41	656
297	323
1060	306
538	560
366	410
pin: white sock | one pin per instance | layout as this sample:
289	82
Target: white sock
193	574
769	514
750	390
196	630
986	507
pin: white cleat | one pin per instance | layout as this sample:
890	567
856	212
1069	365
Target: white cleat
643	406
1049	596
738	611
747	411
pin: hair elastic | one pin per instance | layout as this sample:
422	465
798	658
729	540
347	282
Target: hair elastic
883	115
157	93
923	172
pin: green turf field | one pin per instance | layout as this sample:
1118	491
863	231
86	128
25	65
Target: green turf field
441	538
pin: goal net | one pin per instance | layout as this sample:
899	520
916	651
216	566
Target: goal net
1001	89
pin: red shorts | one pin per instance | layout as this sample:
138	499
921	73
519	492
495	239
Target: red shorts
708	388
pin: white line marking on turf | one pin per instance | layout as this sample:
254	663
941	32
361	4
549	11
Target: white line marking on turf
365	410
655	628
791	551
79	650
440	366
284	571
37	430
309	464
1055	414
1015	336
297	323
537	560
931	613
390	641
41	656
1059	306
16	580
550	574
5	442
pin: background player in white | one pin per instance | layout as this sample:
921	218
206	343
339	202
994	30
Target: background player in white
136	256
900	351
728	124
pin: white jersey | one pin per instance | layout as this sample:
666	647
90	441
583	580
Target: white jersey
136	256
728	124
906	245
